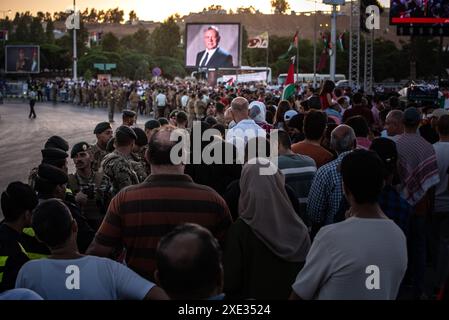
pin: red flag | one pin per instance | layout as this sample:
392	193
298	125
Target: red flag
291	74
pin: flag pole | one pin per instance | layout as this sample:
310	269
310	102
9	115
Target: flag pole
297	54
267	64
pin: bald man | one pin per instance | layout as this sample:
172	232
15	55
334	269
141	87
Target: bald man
189	264
326	192
394	125
244	129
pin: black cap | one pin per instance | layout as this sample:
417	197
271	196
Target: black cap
124	130
142	139
51	174
129	113
79	147
152	124
53	153
102	127
57	142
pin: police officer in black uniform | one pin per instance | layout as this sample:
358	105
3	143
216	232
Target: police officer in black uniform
51	182
17	202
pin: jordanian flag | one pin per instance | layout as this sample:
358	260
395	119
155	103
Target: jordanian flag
289	89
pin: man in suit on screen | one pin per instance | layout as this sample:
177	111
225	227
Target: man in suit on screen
213	56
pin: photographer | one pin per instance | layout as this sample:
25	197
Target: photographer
89	187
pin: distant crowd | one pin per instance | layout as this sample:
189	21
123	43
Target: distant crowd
356	208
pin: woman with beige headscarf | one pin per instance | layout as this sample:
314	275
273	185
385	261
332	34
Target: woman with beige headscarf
267	245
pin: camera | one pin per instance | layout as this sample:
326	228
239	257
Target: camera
89	190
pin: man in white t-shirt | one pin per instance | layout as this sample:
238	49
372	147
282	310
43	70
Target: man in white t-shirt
68	275
245	128
363	257
184	100
161	103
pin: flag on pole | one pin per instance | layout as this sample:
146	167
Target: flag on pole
289	88
260	41
230	82
340	42
293	45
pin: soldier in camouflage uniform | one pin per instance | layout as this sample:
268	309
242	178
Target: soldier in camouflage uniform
100	95
103	131
138	154
85	95
90	189
118	166
111	103
91	95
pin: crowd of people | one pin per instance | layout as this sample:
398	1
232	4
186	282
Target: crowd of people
357	206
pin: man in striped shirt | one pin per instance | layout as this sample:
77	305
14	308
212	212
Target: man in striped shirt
139	216
298	170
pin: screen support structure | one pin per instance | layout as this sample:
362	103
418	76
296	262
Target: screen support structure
354	46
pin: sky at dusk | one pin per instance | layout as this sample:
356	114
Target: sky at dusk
151	9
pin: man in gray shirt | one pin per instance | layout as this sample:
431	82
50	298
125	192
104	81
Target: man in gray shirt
68	275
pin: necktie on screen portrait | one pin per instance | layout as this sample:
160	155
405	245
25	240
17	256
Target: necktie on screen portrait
203	63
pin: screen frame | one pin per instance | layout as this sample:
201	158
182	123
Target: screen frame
23	46
239	49
417	21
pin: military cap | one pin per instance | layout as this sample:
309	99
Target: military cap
51	174
124	130
129	113
102	127
152	124
57	142
54	154
79	147
142	139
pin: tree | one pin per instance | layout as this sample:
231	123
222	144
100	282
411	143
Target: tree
165	38
37	34
101	16
133	17
141	41
246	10
110	42
92	17
22	32
50	36
280	6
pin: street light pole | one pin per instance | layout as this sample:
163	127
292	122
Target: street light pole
333	61
314	48
75	66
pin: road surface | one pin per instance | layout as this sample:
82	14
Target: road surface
22	139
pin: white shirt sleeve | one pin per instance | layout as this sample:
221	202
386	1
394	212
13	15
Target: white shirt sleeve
315	272
128	284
